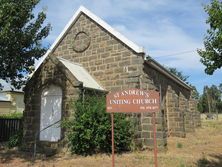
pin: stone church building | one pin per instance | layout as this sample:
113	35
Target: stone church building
90	55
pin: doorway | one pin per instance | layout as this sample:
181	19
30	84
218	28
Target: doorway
50	117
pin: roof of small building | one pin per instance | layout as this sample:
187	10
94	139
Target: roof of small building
4	97
81	74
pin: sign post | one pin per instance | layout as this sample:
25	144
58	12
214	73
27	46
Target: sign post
113	151
133	101
154	139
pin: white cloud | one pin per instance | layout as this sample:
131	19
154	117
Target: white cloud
163	41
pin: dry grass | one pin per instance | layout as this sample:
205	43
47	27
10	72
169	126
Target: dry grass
200	149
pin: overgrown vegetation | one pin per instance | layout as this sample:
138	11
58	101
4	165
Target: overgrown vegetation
16	115
90	130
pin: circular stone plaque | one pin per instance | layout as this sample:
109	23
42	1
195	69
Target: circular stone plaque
81	41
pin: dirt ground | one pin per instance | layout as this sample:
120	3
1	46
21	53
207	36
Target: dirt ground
200	149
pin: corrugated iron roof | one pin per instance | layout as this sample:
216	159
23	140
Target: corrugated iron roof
81	74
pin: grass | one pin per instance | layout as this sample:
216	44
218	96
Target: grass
200	149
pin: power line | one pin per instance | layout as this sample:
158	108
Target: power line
178	53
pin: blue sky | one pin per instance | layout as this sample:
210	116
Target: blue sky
169	30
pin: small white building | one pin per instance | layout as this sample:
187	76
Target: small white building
11	101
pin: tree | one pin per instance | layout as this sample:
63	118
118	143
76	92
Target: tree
220	89
211	101
219	104
215	100
179	74
211	56
203	101
21	34
195	94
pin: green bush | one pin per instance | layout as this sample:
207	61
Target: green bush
90	131
15	140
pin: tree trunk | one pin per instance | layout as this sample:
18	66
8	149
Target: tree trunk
208	101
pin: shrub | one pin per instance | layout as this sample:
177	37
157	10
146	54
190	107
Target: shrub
90	131
12	115
15	140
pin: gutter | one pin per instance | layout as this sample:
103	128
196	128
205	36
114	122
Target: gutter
5	101
165	72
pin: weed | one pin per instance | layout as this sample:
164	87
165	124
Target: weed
179	145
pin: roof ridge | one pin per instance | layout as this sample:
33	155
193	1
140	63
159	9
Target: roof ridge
98	20
112	30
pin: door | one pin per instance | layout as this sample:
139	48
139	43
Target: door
51	106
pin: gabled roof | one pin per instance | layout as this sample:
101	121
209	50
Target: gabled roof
112	31
81	74
99	21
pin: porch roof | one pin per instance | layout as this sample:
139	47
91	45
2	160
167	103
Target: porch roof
81	74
